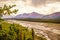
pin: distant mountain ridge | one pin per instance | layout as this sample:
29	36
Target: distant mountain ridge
55	15
29	15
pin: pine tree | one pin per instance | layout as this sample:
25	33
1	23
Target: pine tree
20	35
0	27
33	34
24	37
7	10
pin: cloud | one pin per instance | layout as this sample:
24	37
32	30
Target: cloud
24	0
43	2
25	6
3	0
40	2
34	2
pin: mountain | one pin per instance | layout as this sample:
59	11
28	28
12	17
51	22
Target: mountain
29	15
55	15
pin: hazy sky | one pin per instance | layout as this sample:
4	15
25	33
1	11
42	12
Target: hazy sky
40	6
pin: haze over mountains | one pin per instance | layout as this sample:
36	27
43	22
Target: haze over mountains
55	15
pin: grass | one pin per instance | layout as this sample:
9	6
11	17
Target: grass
16	32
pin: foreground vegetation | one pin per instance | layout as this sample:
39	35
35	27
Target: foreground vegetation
16	32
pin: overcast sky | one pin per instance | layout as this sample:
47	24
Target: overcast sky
40	6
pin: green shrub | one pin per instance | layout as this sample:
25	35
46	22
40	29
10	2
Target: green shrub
15	32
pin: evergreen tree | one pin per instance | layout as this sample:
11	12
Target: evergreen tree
33	34
0	27
7	10
24	37
21	35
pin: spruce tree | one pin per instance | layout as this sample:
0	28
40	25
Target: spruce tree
33	34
